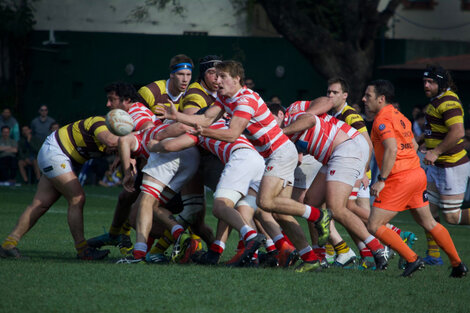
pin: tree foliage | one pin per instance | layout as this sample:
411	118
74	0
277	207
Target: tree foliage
336	36
16	25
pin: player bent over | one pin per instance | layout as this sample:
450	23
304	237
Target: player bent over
402	182
66	148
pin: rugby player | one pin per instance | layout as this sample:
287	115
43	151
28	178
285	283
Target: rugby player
172	89
121	95
446	160
63	151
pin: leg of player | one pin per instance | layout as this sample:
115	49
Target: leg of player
274	197
46	195
376	225
424	218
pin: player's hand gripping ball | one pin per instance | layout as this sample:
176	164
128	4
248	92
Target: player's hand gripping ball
119	122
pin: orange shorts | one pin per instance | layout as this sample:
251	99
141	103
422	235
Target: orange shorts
403	190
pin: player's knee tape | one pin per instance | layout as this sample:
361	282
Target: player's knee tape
454	211
249	200
451	205
353	195
232	195
434	198
192	205
151	188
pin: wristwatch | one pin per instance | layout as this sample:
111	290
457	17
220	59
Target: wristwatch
380	178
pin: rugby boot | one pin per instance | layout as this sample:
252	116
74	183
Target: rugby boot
90	253
131	260
412	267
235	260
250	248
268	259
323	226
380	258
180	246
125	245
409	238
343	259
308	266
103	240
207	258
10	253
459	271
287	256
190	250
156	258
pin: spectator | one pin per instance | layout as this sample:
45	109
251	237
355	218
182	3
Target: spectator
8	120
28	148
8	161
250	83
275	99
111	177
418	127
41	124
54	126
359	109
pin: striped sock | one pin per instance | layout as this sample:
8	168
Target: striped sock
9	243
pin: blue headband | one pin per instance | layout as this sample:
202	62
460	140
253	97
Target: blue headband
181	66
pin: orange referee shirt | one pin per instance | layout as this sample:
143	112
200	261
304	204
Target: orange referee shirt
391	123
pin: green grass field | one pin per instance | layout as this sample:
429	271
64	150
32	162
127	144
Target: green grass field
51	279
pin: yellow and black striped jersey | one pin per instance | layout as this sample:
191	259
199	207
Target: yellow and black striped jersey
443	111
349	115
79	141
196	97
157	92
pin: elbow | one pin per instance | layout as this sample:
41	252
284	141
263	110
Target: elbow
232	139
168	146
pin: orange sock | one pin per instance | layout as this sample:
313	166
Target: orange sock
392	239
443	239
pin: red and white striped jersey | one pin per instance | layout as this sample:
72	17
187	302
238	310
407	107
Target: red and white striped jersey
318	140
143	137
297	106
302	106
140	115
222	149
262	130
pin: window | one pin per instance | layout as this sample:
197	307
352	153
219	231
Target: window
419	4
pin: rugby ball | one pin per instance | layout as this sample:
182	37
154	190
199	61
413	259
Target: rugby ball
119	122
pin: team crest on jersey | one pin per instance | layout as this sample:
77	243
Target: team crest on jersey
62	165
381	126
243	100
332	172
269	168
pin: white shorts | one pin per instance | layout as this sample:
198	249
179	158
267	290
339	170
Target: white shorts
305	173
282	163
243	170
52	161
348	161
363	192
173	169
449	180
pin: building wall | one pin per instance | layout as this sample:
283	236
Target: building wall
216	17
445	21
